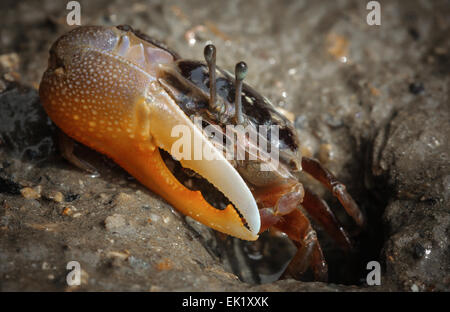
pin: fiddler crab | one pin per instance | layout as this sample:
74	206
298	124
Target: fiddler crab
122	93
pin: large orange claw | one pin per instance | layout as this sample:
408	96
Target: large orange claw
102	89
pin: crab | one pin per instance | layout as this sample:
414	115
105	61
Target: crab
123	93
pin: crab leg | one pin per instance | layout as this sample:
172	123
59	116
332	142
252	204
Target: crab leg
318	209
66	146
319	265
314	168
298	228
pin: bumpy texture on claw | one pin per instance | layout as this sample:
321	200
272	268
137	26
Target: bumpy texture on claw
102	89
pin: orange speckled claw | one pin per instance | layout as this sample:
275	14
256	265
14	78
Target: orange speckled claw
102	89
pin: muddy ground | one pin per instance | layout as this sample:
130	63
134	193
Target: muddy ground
371	102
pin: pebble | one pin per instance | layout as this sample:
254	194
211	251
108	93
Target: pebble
31	193
55	196
155	288
416	88
103	196
68	210
45	266
9	77
154	217
9	61
118	254
122	199
164	265
84	277
325	153
114	222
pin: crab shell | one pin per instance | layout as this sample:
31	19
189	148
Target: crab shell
109	88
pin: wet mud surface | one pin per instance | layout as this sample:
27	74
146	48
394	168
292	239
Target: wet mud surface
370	102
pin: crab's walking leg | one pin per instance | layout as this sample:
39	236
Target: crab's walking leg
319	265
284	214
314	168
66	146
322	214
298	228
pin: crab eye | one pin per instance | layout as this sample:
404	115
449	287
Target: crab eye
240	74
210	57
